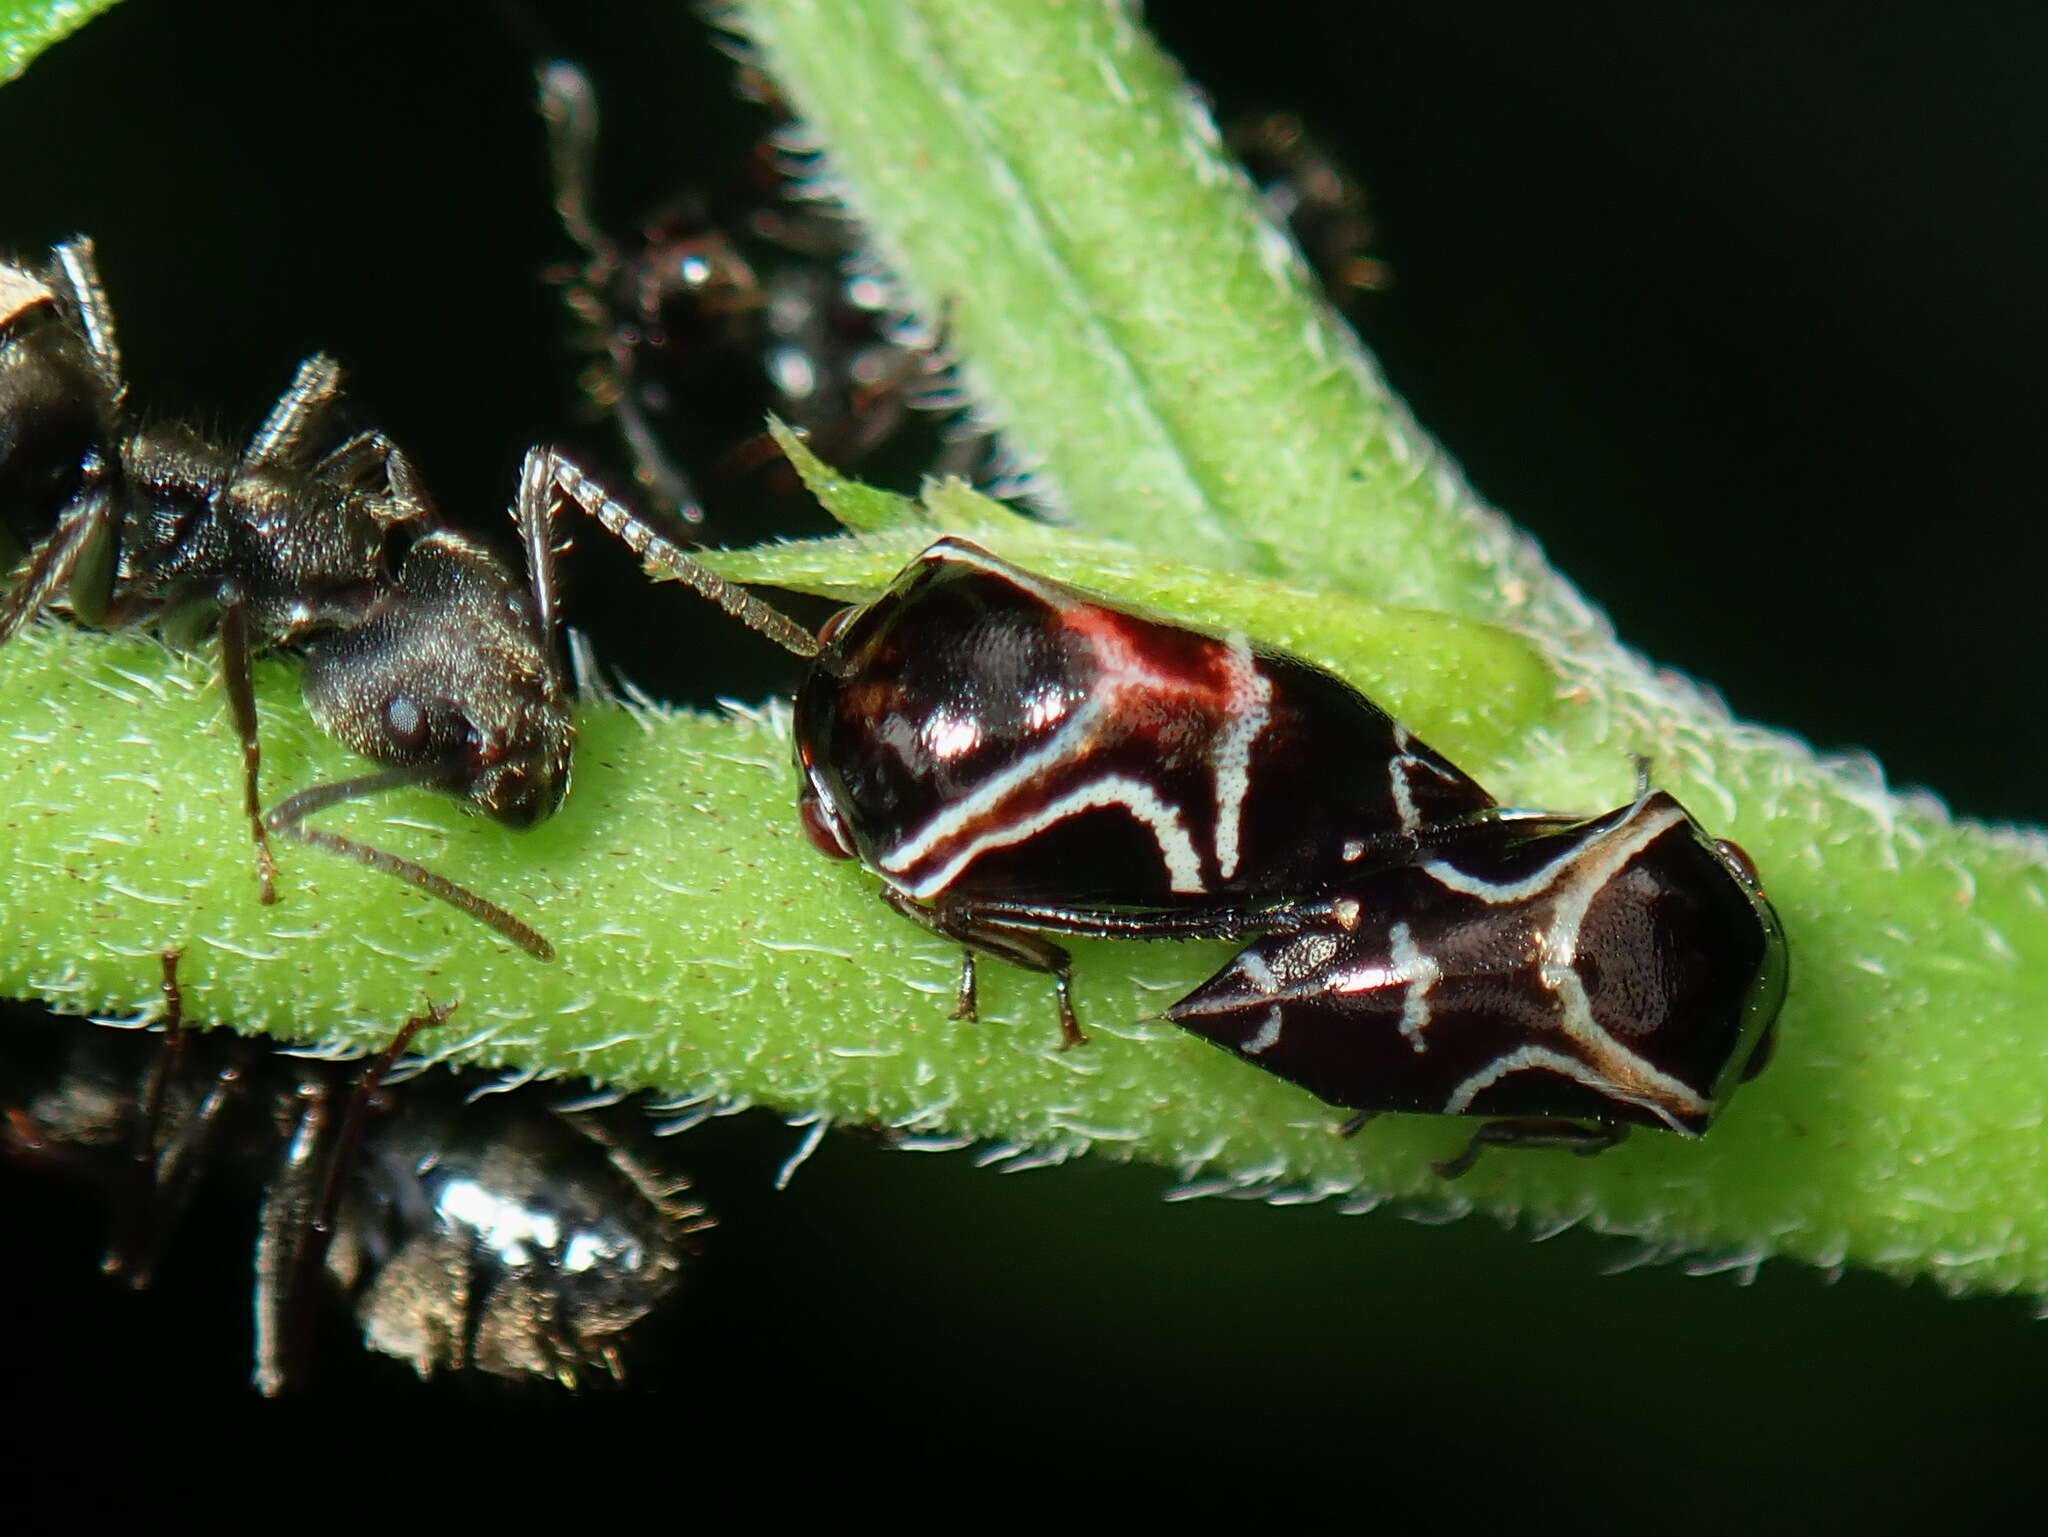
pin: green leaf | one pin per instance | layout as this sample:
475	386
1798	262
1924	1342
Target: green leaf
1454	680
864	509
1041	178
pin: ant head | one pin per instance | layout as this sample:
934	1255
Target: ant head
455	670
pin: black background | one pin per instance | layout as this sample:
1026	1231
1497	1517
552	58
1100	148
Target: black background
1735	309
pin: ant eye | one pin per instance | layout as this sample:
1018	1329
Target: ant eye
405	720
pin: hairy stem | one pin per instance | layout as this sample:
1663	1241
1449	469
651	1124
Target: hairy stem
1123	313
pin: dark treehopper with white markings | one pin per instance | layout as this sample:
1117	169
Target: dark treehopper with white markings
1017	757
1626	969
423	650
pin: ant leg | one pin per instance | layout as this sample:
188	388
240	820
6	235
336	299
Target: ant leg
812	234
234	672
663	478
666	1193
281	1238
1532	1132
719	284
295	1230
368	453
568	106
876	408
287	819
167	1164
587	681
349	1142
131	1249
178	1166
281	440
80	272
359	456
1028	951
750	454
967	996
408	494
77	554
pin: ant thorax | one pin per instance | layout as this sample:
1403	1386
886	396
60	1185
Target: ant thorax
206	529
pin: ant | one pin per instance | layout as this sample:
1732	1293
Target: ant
453	680
1304	189
689	336
466	1229
423	651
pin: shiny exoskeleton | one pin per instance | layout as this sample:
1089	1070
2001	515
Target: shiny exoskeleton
525	1245
1017	758
424	651
989	740
1625	969
498	1233
1014	756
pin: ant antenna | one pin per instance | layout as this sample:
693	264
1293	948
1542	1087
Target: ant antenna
664	557
287	819
533	513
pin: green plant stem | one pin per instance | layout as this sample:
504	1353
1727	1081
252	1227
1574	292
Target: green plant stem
1124	314
1042	177
27	27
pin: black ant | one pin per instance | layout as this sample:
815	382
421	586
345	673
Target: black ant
522	1239
689	335
423	651
1305	190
